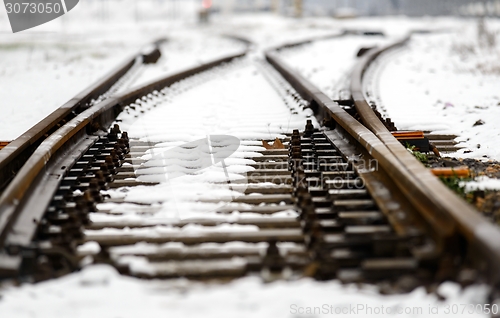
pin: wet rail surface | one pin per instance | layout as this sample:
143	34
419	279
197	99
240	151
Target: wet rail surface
342	201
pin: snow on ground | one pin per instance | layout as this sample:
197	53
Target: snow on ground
68	54
99	291
237	111
268	30
448	74
43	68
36	78
41	72
186	49
61	58
447	83
328	63
481	183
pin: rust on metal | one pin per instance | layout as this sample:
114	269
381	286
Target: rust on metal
416	139
3	144
458	172
356	221
403	135
481	236
276	145
446	217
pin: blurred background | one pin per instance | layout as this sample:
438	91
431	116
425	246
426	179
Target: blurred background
60	58
141	10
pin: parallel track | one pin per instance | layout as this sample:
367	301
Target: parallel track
367	209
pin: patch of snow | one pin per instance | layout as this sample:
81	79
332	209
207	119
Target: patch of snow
238	112
328	63
481	183
89	248
99	291
185	49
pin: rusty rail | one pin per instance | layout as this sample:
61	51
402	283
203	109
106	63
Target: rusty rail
482	236
448	219
437	212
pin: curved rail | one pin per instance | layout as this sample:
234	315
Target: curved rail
448	219
479	232
433	208
16	153
18	223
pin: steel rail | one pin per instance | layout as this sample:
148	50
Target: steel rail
15	227
291	44
482	236
448	217
16	153
325	108
19	216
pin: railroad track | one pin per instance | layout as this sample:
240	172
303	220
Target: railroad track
332	197
15	154
367	70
